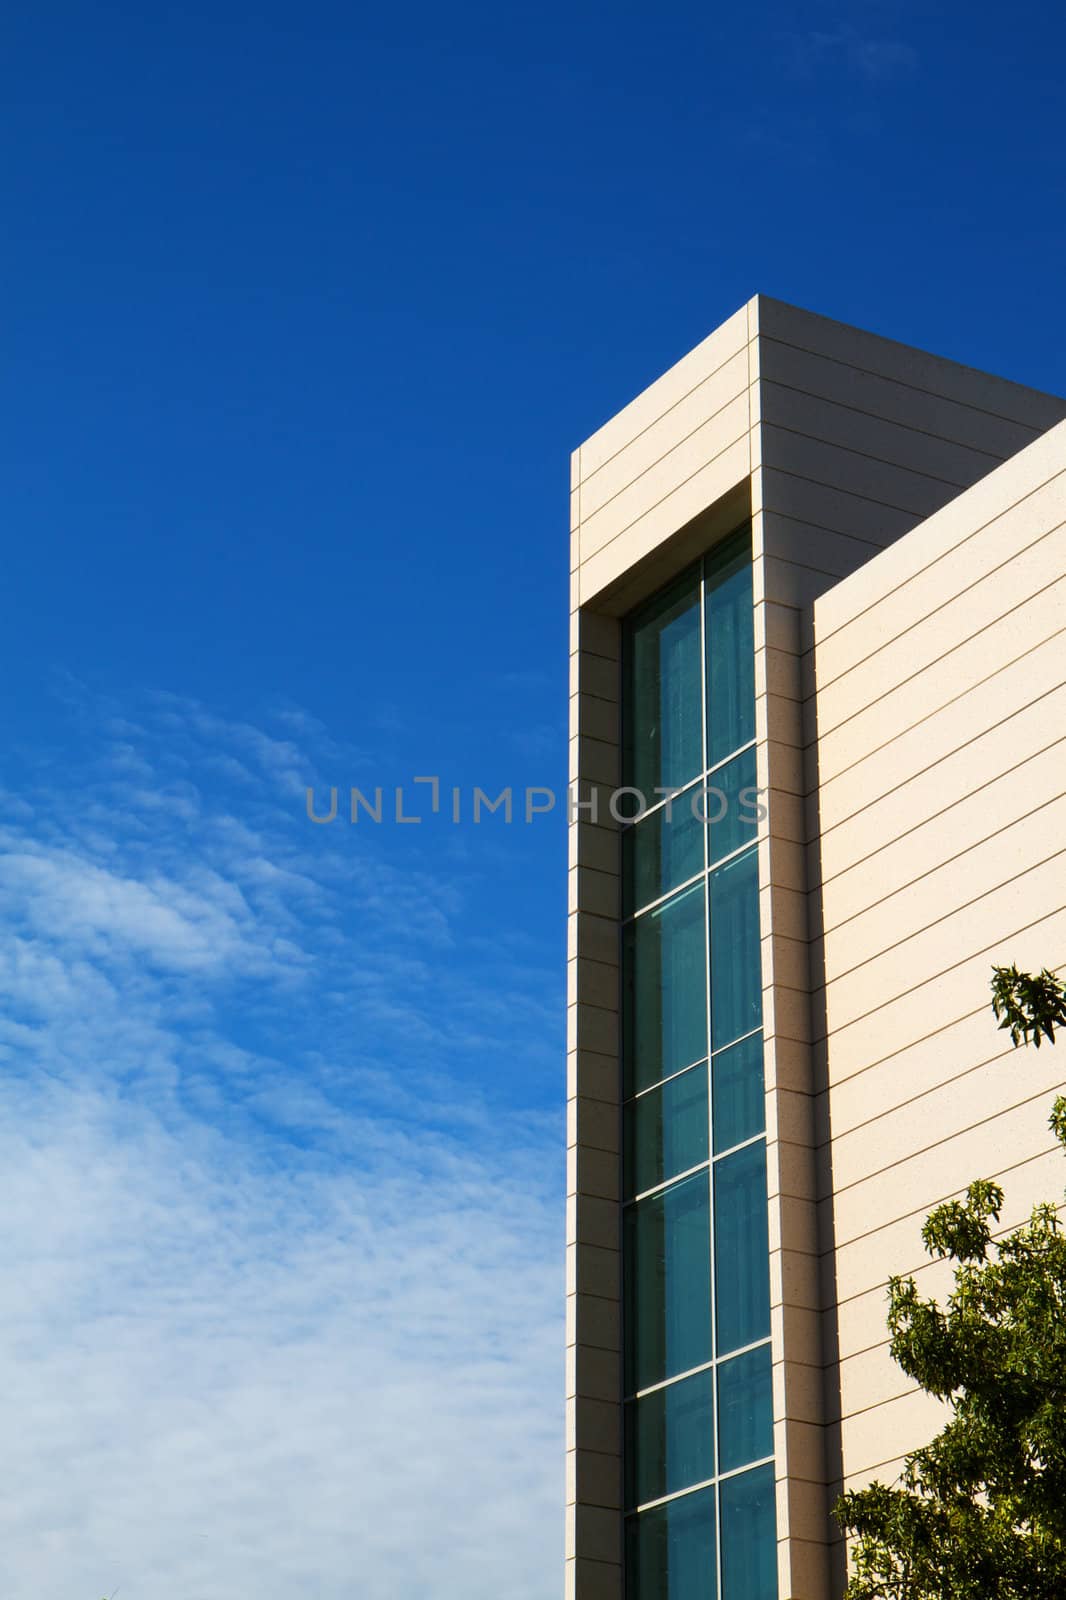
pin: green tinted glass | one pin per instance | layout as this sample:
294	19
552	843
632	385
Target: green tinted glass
666	1131
731	805
670	1551
662	851
664	996
736	955
738	1093
661	739
695	1262
667	1279
741	1248
670	1439
730	649
749	1536
745	1409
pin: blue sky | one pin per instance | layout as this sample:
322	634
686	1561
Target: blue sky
304	311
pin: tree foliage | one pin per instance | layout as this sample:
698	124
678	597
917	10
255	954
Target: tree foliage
1032	1008
980	1513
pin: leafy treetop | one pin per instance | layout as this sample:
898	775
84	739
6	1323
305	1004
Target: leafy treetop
980	1513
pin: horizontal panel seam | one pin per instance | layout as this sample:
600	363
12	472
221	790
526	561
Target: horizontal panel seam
864	455
923	1210
874	1405
893	422
854	1355
873	546
677	444
745	434
804	566
946	861
932	977
740	350
911	1044
835	1141
944	605
1000	667
912	678
925	1150
864	1472
910	350
916	933
945	754
583	650
848	494
587	1143
969	533
889	1400
925	1265
779	694
935	816
590	694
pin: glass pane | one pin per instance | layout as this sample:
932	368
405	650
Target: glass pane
670	1439
731	806
739	1095
736	957
730	649
664	992
749	1536
666	1131
668	1283
745	1409
662	733
662	851
670	1552
741	1248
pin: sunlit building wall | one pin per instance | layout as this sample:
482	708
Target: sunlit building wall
808	565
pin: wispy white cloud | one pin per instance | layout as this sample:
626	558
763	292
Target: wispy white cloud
202	924
226	1379
846	48
281	1283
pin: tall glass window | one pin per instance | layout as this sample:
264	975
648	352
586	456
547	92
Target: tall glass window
661	737
699	1478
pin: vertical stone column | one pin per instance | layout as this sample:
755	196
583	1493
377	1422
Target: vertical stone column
593	1210
795	1290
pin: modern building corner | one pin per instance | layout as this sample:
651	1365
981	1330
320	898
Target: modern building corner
818	694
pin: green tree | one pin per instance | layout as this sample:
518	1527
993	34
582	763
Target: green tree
1028	1006
980	1513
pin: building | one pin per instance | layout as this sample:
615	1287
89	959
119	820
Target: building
814	563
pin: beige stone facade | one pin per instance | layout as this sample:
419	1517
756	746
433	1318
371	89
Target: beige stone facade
909	542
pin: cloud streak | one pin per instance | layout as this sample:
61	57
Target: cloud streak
282	1278
846	49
